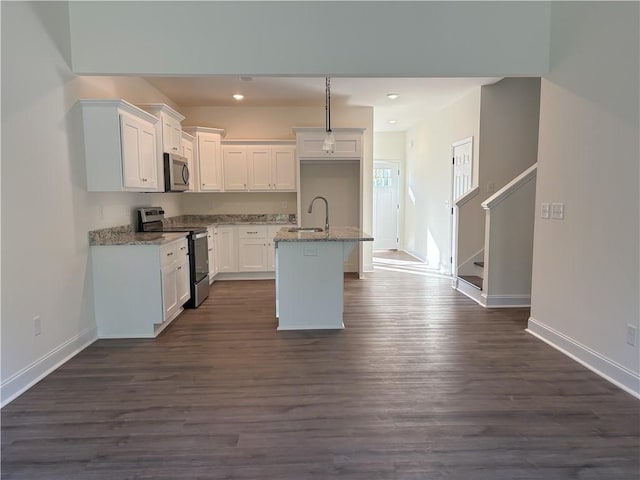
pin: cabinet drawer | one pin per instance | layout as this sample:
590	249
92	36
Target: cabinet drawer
168	254
252	231
182	248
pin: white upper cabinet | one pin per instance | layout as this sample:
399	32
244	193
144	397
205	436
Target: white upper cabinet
283	168
234	164
187	152
348	143
259	166
121	147
169	129
207	158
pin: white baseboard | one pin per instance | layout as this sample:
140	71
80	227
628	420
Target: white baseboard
615	373
23	380
471	292
245	276
506	301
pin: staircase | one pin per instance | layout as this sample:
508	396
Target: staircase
505	281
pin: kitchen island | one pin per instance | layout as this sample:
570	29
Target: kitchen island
310	276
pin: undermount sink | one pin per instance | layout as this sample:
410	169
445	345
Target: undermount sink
305	230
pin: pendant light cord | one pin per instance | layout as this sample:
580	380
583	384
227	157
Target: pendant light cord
327	107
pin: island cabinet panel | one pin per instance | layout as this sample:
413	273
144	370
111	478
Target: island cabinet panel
309	278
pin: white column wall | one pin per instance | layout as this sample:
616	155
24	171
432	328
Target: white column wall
46	210
585	288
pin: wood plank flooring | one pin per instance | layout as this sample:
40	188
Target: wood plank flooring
422	384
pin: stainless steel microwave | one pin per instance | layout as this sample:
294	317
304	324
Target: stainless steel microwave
176	173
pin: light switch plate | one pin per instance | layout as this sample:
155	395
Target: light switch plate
545	211
557	211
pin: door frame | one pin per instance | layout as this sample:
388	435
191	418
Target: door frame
396	164
453	216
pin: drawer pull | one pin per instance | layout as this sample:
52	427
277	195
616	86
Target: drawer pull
252	232
169	254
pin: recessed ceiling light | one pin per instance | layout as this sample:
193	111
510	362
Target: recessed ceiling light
392	96
393	122
238	96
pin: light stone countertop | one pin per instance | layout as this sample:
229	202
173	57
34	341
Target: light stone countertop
335	234
127	236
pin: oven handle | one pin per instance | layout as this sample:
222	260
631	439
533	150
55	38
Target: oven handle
196	236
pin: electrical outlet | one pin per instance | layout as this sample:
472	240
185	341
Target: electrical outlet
632	335
101	212
310	251
491	187
284	205
37	325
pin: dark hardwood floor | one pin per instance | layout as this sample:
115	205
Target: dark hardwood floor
422	384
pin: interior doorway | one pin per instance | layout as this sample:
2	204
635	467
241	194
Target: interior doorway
386	204
461	183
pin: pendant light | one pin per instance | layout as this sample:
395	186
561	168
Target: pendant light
329	143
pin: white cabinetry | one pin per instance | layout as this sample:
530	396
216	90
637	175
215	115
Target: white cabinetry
207	158
348	143
212	233
259	167
272	230
234	164
226	249
174	259
252	248
139	289
169	128
120	145
187	152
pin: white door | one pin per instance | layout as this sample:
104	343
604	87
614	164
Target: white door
462	167
461	182
284	162
386	180
209	163
234	166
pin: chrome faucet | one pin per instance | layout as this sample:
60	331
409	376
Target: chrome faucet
326	220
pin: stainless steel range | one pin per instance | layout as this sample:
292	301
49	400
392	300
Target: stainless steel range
150	220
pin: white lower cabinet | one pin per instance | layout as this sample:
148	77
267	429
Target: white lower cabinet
226	249
246	248
252	248
139	289
212	233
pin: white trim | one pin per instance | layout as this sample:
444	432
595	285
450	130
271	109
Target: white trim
470	291
122	105
245	276
506	301
462	142
611	371
236	141
511	187
467	197
20	382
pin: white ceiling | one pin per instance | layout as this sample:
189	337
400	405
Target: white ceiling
418	96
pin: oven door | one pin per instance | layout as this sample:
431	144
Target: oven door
199	261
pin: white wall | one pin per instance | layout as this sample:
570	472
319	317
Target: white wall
311	38
507	146
46	210
585	273
428	178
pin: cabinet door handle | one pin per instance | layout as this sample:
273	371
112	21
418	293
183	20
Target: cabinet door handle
252	232
179	268
169	254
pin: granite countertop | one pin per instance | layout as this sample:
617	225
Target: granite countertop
126	235
231	219
335	234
